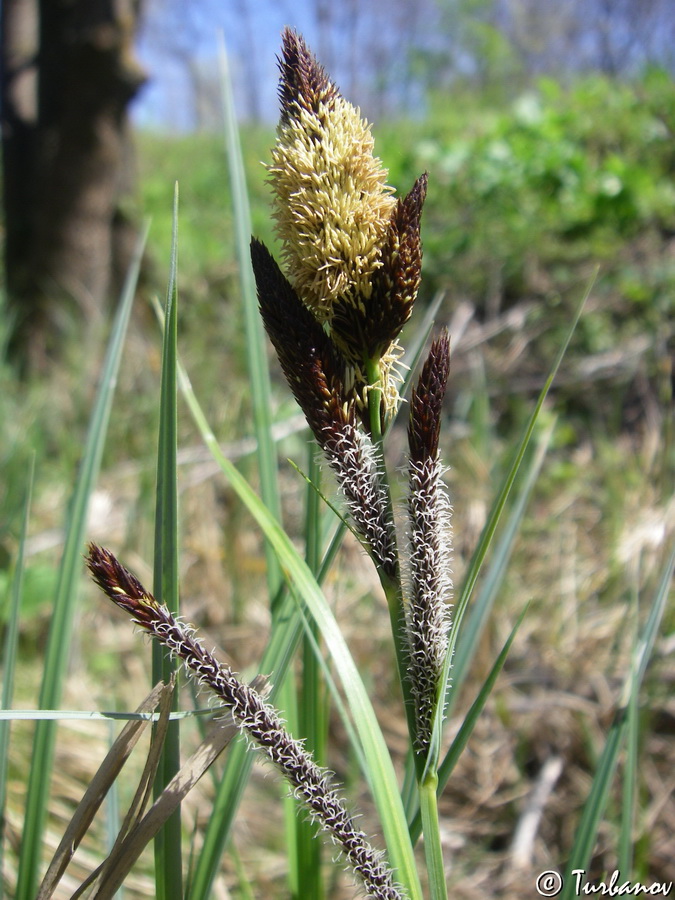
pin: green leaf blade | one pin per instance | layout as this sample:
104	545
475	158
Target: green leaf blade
58	645
168	844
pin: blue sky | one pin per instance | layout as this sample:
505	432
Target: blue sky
165	103
379	52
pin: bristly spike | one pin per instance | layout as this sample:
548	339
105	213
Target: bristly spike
351	456
256	719
430	542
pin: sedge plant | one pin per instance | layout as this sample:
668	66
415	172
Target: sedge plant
352	254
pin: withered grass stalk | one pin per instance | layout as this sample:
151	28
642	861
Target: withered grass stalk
255	718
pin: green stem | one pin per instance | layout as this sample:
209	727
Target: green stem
373	375
288	701
312	711
433	850
393	587
393	593
167	843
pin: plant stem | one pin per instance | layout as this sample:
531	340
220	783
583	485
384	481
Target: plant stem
373	375
311	696
433	850
393	587
167	843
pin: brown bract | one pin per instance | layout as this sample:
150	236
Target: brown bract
304	83
312	365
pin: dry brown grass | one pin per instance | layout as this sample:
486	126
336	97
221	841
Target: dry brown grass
595	533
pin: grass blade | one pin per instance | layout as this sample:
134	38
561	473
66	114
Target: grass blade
125	855
58	644
630	783
432	838
9	660
475	622
312	699
258	370
168	848
602	782
239	762
101	783
298	831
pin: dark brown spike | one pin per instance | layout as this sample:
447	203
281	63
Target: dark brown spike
309	360
121	586
426	403
304	83
368	326
350	327
398	279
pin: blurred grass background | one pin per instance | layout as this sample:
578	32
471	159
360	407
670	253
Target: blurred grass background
526	200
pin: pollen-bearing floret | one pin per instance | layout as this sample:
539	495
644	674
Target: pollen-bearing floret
332	204
352	258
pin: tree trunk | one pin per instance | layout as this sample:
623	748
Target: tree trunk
68	76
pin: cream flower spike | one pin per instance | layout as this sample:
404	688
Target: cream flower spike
332	203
